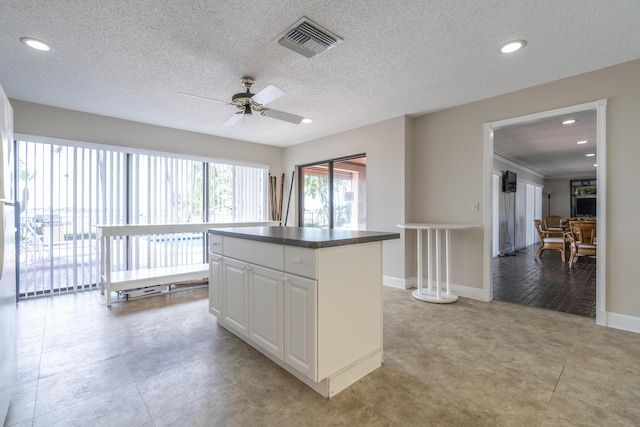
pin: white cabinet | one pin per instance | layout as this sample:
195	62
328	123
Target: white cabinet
265	309
315	312
300	324
274	309
215	279
235	301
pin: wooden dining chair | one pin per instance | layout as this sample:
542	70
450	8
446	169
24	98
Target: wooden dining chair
582	240
553	221
553	224
550	240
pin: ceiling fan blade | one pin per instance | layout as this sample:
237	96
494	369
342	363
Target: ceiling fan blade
268	94
233	119
281	115
201	97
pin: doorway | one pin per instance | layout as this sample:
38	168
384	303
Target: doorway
489	130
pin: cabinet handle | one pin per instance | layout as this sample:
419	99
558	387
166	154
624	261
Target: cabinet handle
285	279
297	260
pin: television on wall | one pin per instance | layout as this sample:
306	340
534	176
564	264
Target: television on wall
509	180
586	206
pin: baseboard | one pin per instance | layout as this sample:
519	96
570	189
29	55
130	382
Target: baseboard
412	282
396	282
624	322
469	292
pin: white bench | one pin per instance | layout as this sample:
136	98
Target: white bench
114	281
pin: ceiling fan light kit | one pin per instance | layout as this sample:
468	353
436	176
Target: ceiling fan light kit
248	102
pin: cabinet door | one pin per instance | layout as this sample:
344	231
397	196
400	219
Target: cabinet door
235	303
215	278
265	309
300	324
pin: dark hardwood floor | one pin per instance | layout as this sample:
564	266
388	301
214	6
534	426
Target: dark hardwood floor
546	282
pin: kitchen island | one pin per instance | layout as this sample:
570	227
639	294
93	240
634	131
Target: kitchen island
309	299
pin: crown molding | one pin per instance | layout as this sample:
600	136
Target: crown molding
510	160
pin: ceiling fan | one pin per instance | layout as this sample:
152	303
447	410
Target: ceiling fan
248	102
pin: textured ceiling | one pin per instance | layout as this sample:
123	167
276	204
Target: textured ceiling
549	147
132	59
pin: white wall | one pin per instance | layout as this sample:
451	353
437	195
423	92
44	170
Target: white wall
447	177
51	122
449	149
560	200
385	145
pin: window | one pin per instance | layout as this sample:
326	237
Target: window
65	190
344	207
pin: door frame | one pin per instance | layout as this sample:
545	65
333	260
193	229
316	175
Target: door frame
600	106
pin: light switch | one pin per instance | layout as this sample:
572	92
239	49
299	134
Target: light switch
475	207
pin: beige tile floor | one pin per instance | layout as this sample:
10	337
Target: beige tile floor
163	361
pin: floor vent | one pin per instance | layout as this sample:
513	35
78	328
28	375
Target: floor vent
308	38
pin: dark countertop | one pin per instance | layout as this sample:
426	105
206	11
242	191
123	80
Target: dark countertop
306	237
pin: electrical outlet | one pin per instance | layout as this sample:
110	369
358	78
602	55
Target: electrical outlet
475	207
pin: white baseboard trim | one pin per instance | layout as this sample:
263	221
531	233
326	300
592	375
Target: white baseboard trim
469	292
412	282
396	282
624	322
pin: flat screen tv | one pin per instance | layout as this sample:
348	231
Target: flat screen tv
586	206
509	180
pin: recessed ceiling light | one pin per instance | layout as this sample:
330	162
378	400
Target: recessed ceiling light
590	154
569	122
307	120
513	46
582	142
596	165
35	44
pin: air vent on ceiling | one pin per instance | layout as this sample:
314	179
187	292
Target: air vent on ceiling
308	38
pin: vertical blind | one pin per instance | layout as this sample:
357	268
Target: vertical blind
528	208
65	190
513	215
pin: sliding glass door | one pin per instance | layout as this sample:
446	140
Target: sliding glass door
314	196
332	194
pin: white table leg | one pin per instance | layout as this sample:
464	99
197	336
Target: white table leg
438	272
419	235
429	266
101	266
447	257
107	260
433	255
